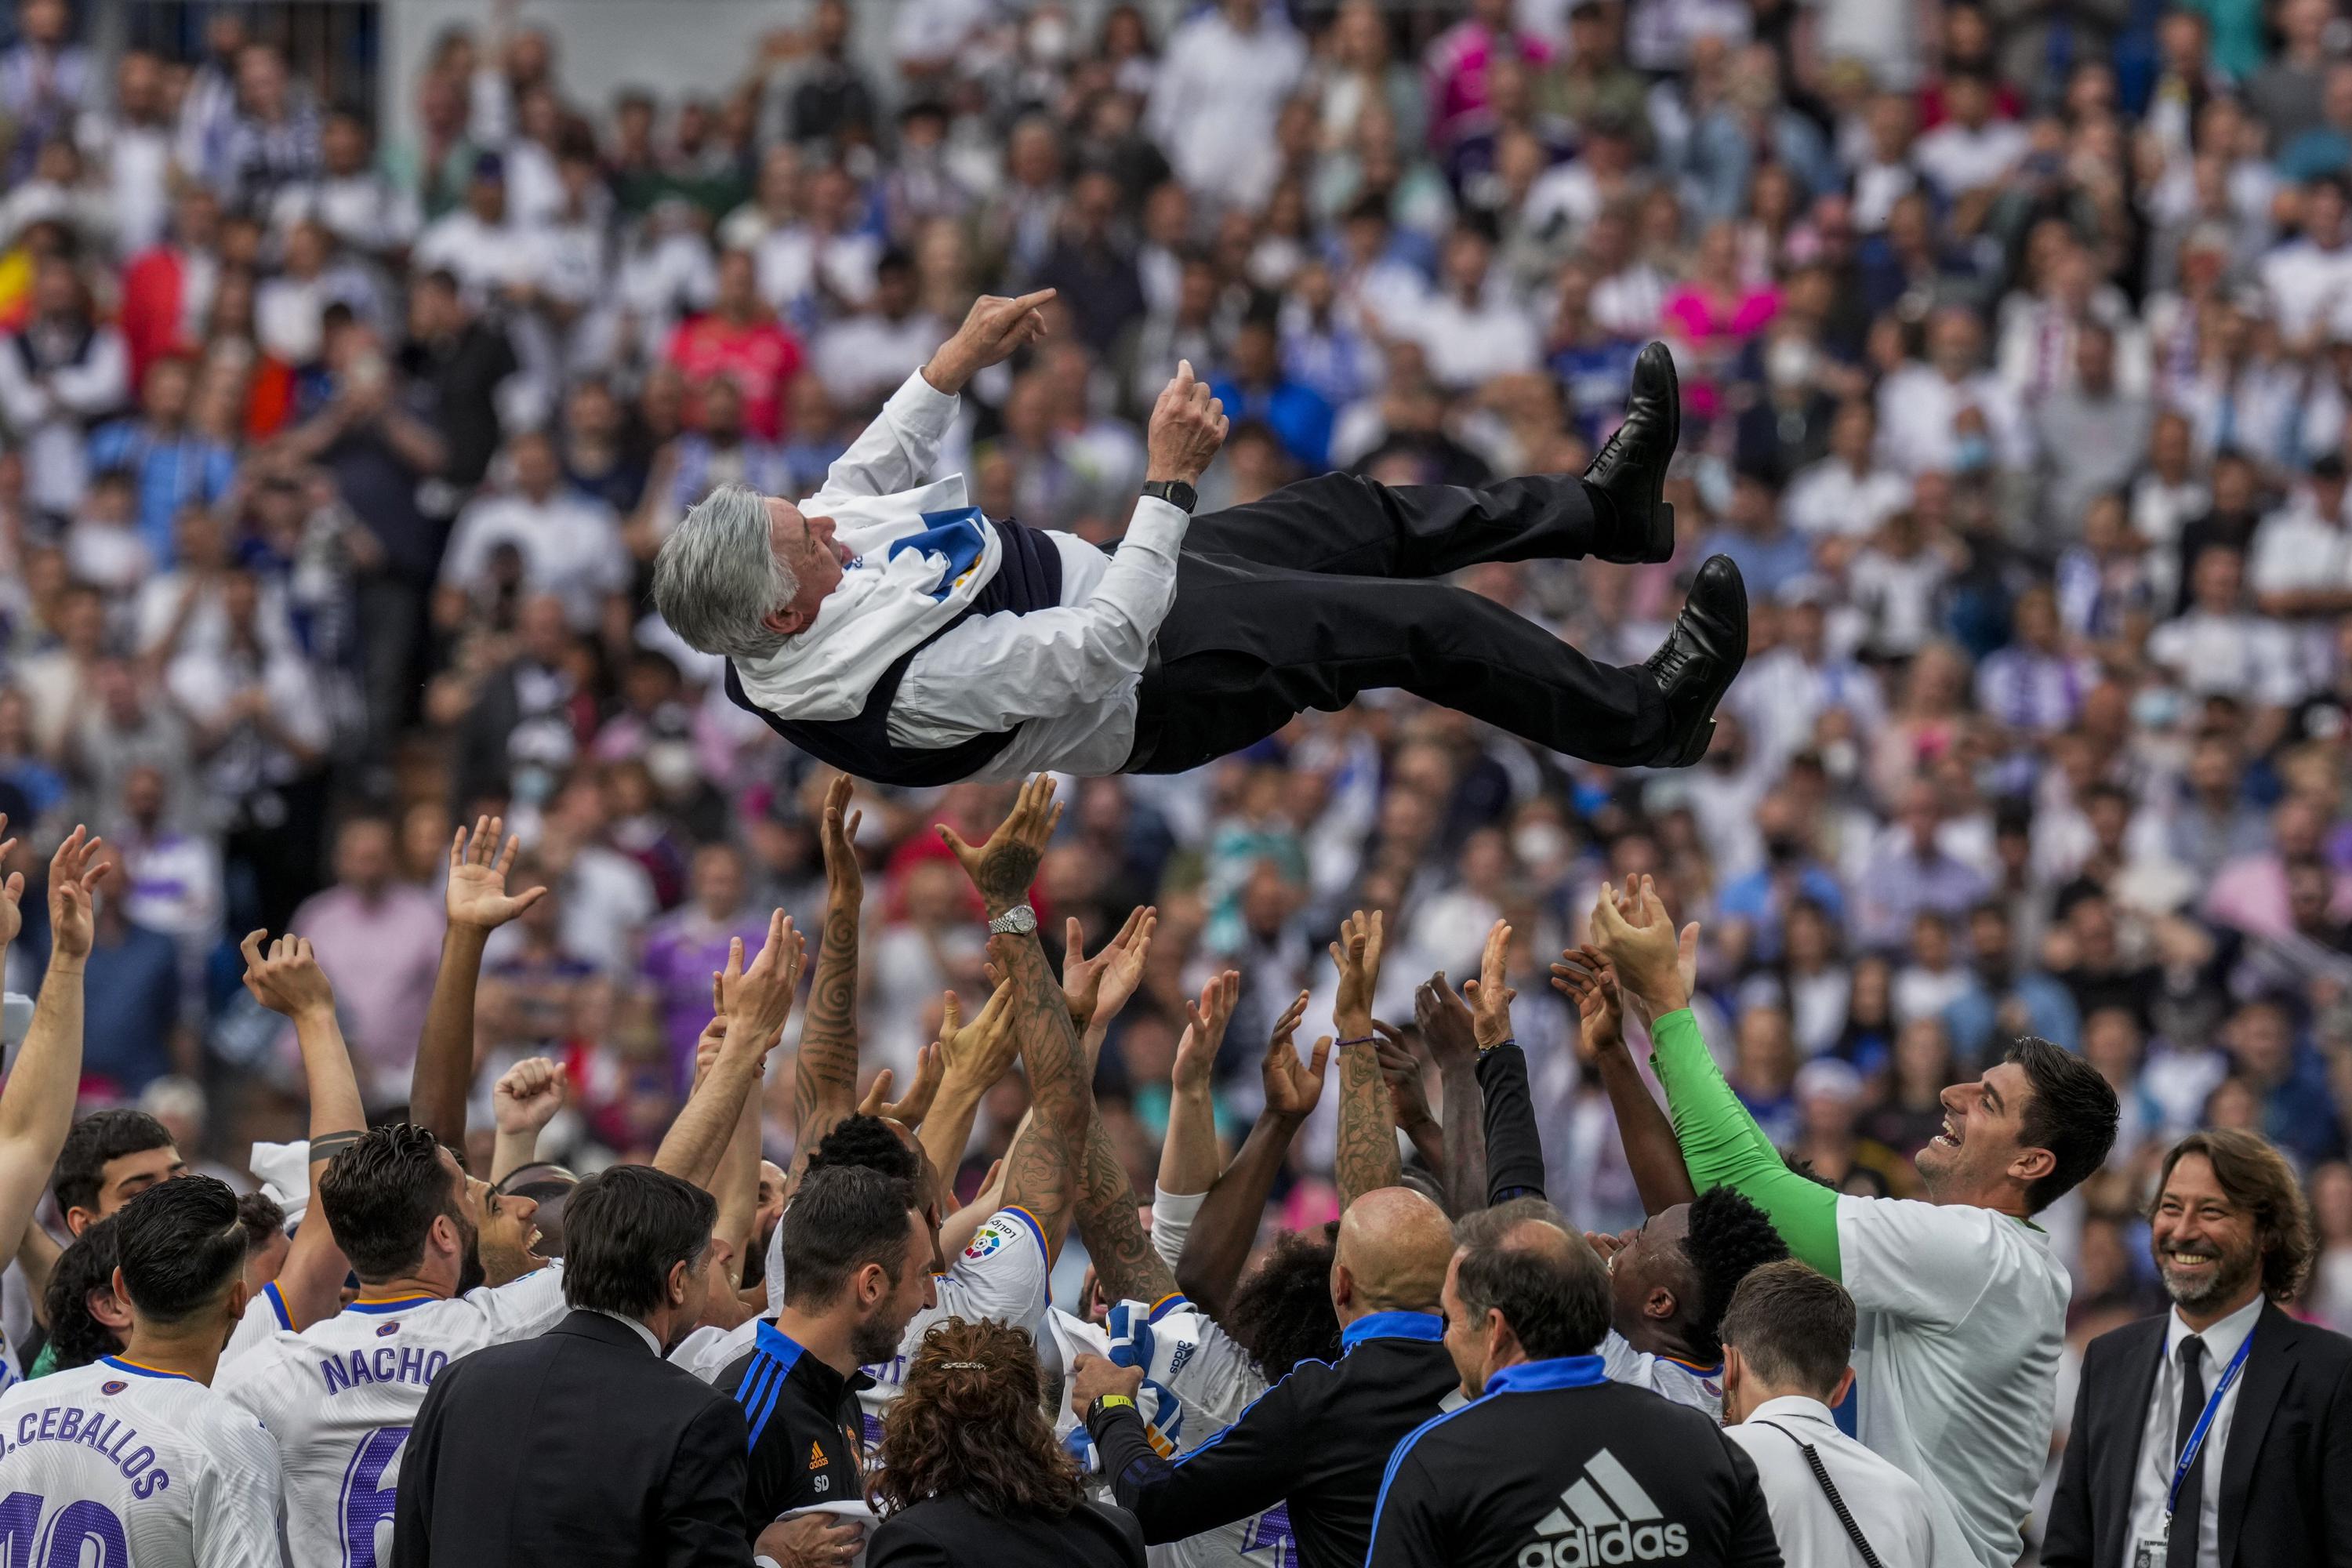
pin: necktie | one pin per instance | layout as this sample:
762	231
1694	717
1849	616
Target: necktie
2180	1551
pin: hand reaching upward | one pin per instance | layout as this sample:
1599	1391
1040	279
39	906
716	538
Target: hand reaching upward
761	997
1003	868
1103	983
1490	995
1358	955
74	873
477	877
286	979
527	1096
1584	977
1204	1030
1292	1087
844	877
12	890
1640	943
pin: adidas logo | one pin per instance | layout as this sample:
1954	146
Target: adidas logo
1605	1518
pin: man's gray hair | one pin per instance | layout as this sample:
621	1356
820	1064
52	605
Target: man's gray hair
717	578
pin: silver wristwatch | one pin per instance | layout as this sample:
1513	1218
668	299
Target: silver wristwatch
1018	920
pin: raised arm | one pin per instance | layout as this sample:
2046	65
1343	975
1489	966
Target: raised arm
1367	1158
824	1073
1721	1143
1409	1099
897	450
1188	1157
288	981
972	1057
1226	1229
478	904
1656	1158
758	1000
1042	1170
36	1106
523	1101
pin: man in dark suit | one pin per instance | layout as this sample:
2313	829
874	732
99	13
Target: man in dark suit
583	1446
2264	1486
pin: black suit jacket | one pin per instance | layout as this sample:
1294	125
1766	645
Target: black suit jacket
577	1449
2286	1473
949	1532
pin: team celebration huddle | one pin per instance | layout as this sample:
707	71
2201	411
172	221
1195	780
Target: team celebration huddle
706	1360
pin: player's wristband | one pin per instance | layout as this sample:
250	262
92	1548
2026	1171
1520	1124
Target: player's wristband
1114	1402
1486	1051
1358	1040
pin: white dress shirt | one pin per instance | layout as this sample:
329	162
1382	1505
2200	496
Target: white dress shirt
2159	1448
1065	674
1887	1505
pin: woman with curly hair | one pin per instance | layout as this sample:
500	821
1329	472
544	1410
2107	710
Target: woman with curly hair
970	1475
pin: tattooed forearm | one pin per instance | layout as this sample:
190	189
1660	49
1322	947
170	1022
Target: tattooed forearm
1367	1158
1041	1172
824	1076
1125	1263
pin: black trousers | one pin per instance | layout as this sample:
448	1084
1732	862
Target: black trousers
1325	589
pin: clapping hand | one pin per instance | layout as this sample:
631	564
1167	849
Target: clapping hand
477	877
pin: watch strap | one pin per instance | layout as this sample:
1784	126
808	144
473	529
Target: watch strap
1175	492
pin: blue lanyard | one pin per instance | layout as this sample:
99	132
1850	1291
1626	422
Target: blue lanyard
2204	1425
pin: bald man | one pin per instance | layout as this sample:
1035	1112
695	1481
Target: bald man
1321	1436
1552	1464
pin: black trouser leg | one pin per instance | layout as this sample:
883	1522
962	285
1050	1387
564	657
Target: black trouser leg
1245	646
1345	523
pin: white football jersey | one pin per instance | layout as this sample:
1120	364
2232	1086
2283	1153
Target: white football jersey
1003	1274
116	1463
1196	1383
1700	1388
341	1395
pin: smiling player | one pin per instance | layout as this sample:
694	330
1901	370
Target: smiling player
1962	1305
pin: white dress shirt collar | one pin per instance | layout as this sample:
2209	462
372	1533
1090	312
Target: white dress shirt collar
643	1333
2221	1339
1794	1408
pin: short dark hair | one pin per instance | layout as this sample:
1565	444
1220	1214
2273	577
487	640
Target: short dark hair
1557	1302
382	1195
1281	1312
1793	1325
2072	1113
2257	1179
628	1227
867	1141
76	1337
263	1220
181	1246
843	1218
1728	1238
97	1141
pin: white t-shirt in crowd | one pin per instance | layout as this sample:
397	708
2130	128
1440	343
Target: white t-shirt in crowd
341	1395
128	1465
1962	1317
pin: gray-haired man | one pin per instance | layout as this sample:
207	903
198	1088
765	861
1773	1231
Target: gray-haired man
887	627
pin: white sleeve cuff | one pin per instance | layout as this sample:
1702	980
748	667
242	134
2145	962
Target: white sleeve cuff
1157	525
919	406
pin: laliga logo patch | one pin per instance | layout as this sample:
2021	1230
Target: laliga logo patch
112	1385
985	1243
385	1331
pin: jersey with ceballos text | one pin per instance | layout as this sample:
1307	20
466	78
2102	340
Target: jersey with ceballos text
1001	1275
1197	1380
341	1395
114	1463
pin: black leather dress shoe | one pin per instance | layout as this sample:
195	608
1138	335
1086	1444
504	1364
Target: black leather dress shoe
1631	469
1696	663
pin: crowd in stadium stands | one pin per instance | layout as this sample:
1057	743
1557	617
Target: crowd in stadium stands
2016	350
